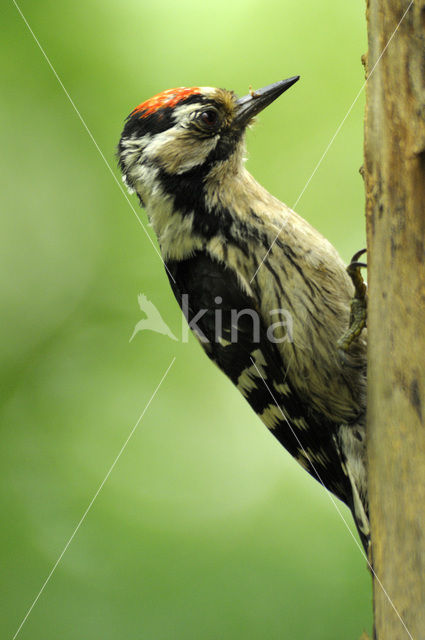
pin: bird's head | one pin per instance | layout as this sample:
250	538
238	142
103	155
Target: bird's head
174	140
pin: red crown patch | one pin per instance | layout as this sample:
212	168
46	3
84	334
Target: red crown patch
168	98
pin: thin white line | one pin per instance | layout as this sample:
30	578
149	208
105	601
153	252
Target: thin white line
93	499
333	138
351	108
331	497
90	134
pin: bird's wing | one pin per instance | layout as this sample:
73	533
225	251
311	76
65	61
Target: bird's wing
255	366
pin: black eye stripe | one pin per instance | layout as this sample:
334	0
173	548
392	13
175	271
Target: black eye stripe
160	120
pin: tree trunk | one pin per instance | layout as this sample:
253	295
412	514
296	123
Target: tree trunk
395	208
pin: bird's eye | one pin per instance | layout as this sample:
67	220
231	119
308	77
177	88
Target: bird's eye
209	117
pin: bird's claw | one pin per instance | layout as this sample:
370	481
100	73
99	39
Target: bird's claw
358	312
357	255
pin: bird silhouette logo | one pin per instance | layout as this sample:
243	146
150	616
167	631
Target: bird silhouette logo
153	320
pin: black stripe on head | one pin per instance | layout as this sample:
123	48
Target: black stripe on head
158	121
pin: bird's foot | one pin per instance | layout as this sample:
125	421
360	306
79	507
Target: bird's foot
358	312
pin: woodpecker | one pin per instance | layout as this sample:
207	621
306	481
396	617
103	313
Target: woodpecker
237	258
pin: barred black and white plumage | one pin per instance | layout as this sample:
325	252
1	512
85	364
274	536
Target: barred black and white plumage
183	153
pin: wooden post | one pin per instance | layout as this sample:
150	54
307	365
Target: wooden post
394	174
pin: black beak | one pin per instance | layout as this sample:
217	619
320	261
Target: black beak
248	106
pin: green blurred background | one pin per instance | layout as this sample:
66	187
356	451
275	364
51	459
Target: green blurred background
205	529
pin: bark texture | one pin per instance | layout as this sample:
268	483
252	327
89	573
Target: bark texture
395	206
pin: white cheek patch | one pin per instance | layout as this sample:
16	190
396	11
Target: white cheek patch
158	142
176	150
200	153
